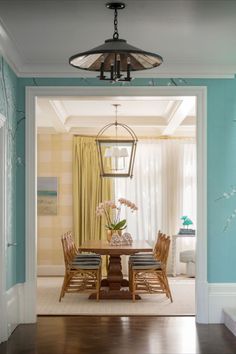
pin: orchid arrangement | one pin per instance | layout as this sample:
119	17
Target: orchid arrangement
112	212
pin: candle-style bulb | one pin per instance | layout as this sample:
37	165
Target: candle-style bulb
102	68
128	69
118	65
112	71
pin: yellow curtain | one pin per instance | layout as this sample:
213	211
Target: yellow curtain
88	190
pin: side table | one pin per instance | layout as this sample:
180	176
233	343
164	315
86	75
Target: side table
173	248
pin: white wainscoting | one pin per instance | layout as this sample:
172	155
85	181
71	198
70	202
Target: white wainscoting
220	295
230	319
15	307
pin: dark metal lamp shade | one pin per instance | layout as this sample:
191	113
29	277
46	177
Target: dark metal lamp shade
115	56
108	52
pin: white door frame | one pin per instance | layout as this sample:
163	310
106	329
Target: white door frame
110	93
3	253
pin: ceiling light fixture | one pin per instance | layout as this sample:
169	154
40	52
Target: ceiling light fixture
115	55
116	154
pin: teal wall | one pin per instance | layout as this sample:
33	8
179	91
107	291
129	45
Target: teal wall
221	145
8	107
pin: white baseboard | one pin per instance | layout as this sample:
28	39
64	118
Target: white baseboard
50	270
202	301
14	301
221	295
230	319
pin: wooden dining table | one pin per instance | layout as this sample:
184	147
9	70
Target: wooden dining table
115	283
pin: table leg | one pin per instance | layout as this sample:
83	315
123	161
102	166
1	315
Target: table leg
114	275
115	282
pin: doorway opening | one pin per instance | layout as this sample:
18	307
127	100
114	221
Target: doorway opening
166	101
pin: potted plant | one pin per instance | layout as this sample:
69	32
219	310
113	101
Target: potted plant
112	212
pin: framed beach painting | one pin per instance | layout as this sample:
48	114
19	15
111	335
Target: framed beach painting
47	192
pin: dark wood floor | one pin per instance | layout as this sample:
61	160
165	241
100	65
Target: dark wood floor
116	335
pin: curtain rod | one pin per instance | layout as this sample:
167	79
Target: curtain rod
160	137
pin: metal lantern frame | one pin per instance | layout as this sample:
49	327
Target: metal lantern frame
100	140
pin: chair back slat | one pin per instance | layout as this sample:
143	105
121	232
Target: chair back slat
162	251
68	246
78	276
158	239
152	277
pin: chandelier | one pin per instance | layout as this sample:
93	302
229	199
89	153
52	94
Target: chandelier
116	154
115	56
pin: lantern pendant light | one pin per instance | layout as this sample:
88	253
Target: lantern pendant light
116	154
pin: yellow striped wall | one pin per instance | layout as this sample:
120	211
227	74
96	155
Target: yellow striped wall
55	160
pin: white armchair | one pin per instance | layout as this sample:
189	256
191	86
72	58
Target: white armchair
188	257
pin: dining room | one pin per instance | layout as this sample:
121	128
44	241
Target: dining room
162	189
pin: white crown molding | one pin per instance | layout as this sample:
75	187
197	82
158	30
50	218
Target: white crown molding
170	71
9	51
179	115
167	70
59	109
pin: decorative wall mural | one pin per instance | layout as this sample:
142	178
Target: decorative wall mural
228	195
8	109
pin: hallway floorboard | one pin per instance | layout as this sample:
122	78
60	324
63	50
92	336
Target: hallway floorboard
116	335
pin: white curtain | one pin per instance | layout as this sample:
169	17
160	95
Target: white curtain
163	188
189	205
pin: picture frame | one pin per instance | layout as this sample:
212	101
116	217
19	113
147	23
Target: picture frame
47	195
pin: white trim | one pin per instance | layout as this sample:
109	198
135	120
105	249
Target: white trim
230	318
31	218
200	93
221	295
50	270
3	317
10	52
201	244
14	306
64	71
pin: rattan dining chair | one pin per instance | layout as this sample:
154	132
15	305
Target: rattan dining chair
82	271
148	255
149	275
145	257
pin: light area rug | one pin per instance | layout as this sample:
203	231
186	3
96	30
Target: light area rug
48	291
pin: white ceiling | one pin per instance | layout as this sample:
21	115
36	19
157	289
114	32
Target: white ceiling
195	37
147	116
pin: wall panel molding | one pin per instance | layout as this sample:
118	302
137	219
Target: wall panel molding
221	295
